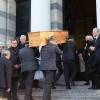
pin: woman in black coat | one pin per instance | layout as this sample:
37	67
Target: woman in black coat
5	72
88	57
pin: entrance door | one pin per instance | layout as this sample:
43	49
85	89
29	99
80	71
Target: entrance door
79	17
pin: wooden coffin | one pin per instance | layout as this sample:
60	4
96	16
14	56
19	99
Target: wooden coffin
40	38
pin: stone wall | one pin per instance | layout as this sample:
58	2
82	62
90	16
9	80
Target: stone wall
7	19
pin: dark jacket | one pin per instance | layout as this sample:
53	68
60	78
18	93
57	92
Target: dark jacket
48	57
20	45
87	52
28	59
69	51
5	73
15	60
97	51
94	57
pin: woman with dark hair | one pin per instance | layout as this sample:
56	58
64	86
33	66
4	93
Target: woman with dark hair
86	56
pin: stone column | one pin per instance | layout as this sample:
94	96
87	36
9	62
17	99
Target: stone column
98	12
11	19
2	21
40	15
7	20
56	15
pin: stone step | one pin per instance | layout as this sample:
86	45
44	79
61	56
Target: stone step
66	98
78	92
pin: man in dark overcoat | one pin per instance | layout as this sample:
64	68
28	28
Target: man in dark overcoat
28	68
96	58
69	62
48	65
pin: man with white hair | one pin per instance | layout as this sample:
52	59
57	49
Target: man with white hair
23	41
96	58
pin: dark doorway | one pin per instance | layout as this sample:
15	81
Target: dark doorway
23	11
79	17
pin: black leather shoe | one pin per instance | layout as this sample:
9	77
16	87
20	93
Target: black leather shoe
92	87
72	84
53	87
68	87
87	83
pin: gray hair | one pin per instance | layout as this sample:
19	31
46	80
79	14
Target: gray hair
96	29
51	38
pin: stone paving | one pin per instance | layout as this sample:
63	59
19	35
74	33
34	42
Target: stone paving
78	92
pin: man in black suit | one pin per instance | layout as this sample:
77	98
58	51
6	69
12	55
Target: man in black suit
69	62
16	67
96	49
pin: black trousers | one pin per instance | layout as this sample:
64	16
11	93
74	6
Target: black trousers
14	86
95	75
86	74
60	70
29	77
70	71
49	79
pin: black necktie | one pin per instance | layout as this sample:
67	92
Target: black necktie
94	41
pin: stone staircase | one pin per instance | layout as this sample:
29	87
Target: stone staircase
78	92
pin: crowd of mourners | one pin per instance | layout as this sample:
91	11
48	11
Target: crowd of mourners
19	64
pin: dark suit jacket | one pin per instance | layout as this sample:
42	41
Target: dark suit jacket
69	51
28	59
15	60
87	53
94	57
48	57
97	51
5	73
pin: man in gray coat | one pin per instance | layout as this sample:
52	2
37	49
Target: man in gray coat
48	65
28	67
